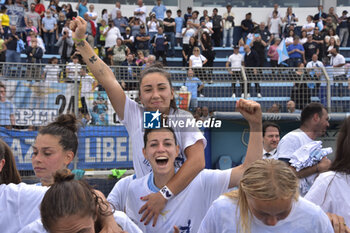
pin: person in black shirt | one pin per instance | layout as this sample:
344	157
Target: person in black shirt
217	27
318	38
251	59
188	15
160	44
169	30
344	21
259	46
264	33
11	43
247	25
320	15
310	48
142	41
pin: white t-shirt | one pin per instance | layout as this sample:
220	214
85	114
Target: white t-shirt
19	205
120	217
86	84
289	40
143	16
275	24
152	26
52	73
331	192
337	60
112	36
312	64
288	145
197	61
133	122
187	209
93	14
308	26
236	61
186	38
118	195
71	68
305	217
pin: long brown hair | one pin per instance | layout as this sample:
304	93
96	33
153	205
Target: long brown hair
9	173
266	180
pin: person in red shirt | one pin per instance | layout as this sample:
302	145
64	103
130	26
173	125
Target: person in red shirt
39	8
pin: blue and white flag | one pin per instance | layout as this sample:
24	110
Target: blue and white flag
282	52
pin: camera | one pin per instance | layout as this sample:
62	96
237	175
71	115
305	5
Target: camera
65	33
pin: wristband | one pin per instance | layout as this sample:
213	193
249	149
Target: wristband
166	193
78	40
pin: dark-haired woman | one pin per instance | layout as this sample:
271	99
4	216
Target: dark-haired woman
54	147
331	189
156	94
8	169
73	206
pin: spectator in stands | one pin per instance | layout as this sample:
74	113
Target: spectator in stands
275	25
8	169
52	8
205	14
319	39
61	23
129	73
291	107
235	61
330	45
188	15
196	62
81	7
7	109
271	138
30	31
344	21
290	38
311	48
5	22
142	41
111	33
169	30
51	72
251	59
331	33
296	53
129	40
49	27
208	25
272	53
264	33
91	30
33	16
150	61
121	23
119	52
135	25
204	29
315	70
117	7
12	55
88	85
259	46
72	68
179	23
3	49
194	86
290	20
160	44
309	26
92	14
159	10
247	25
329	26
141	11
16	11
34	54
65	44
205	114
337	62
194	21
207	50
70	13
229	24
303	38
300	93
141	59
275	108
188	45
217	27
320	16
275	9
102	40
39	8
152	26
333	15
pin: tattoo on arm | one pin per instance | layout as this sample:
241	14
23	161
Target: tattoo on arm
93	59
81	44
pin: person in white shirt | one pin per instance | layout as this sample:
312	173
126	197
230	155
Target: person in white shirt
267	201
314	123
196	62
115	10
156	93
275	25
337	62
73	68
309	26
315	67
111	33
331	189
141	11
271	138
234	64
228	22
187	209
52	71
275	9
92	14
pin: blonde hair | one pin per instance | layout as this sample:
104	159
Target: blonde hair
265	180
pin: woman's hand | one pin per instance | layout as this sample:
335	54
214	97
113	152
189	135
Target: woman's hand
155	204
78	26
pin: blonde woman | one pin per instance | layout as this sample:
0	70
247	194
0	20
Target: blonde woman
267	201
